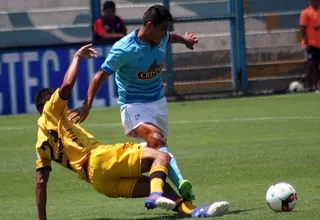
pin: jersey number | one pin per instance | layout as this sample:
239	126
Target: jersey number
53	139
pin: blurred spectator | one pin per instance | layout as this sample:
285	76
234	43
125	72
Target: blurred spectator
110	27
310	33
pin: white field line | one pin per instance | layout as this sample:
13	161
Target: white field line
245	119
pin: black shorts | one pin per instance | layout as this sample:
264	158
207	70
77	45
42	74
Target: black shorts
312	54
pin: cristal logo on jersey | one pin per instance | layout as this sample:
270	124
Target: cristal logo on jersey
154	70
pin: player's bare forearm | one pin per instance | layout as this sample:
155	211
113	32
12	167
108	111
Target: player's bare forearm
42	178
94	87
177	39
189	40
303	33
70	77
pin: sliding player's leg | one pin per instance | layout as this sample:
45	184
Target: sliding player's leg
156	162
143	185
184	207
114	170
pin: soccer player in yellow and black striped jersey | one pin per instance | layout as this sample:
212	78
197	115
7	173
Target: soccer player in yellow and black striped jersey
113	170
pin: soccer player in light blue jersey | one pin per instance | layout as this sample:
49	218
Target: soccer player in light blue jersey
137	61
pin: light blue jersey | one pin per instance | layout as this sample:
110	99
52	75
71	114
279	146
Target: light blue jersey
138	69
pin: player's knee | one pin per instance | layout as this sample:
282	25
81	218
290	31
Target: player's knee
40	183
163	157
156	140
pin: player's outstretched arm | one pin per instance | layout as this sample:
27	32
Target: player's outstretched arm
119	55
85	52
80	114
188	39
42	177
98	80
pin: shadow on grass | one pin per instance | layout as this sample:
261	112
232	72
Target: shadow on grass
162	217
175	216
239	211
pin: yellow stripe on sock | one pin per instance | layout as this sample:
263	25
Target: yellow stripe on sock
159	168
185	207
156	184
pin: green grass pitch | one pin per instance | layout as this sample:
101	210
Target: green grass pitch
230	149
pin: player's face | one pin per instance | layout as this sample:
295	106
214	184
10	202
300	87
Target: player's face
109	13
157	33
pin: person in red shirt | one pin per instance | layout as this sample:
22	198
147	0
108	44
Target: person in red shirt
310	34
110	27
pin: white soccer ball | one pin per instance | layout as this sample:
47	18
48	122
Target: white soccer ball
296	86
281	197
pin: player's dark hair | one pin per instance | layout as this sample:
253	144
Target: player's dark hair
156	15
109	4
40	96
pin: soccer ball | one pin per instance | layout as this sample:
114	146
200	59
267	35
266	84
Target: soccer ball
296	86
281	197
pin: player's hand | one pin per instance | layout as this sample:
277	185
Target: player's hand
191	40
87	52
78	115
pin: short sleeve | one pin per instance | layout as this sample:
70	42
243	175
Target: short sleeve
55	106
119	55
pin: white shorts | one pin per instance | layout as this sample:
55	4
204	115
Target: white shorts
135	114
